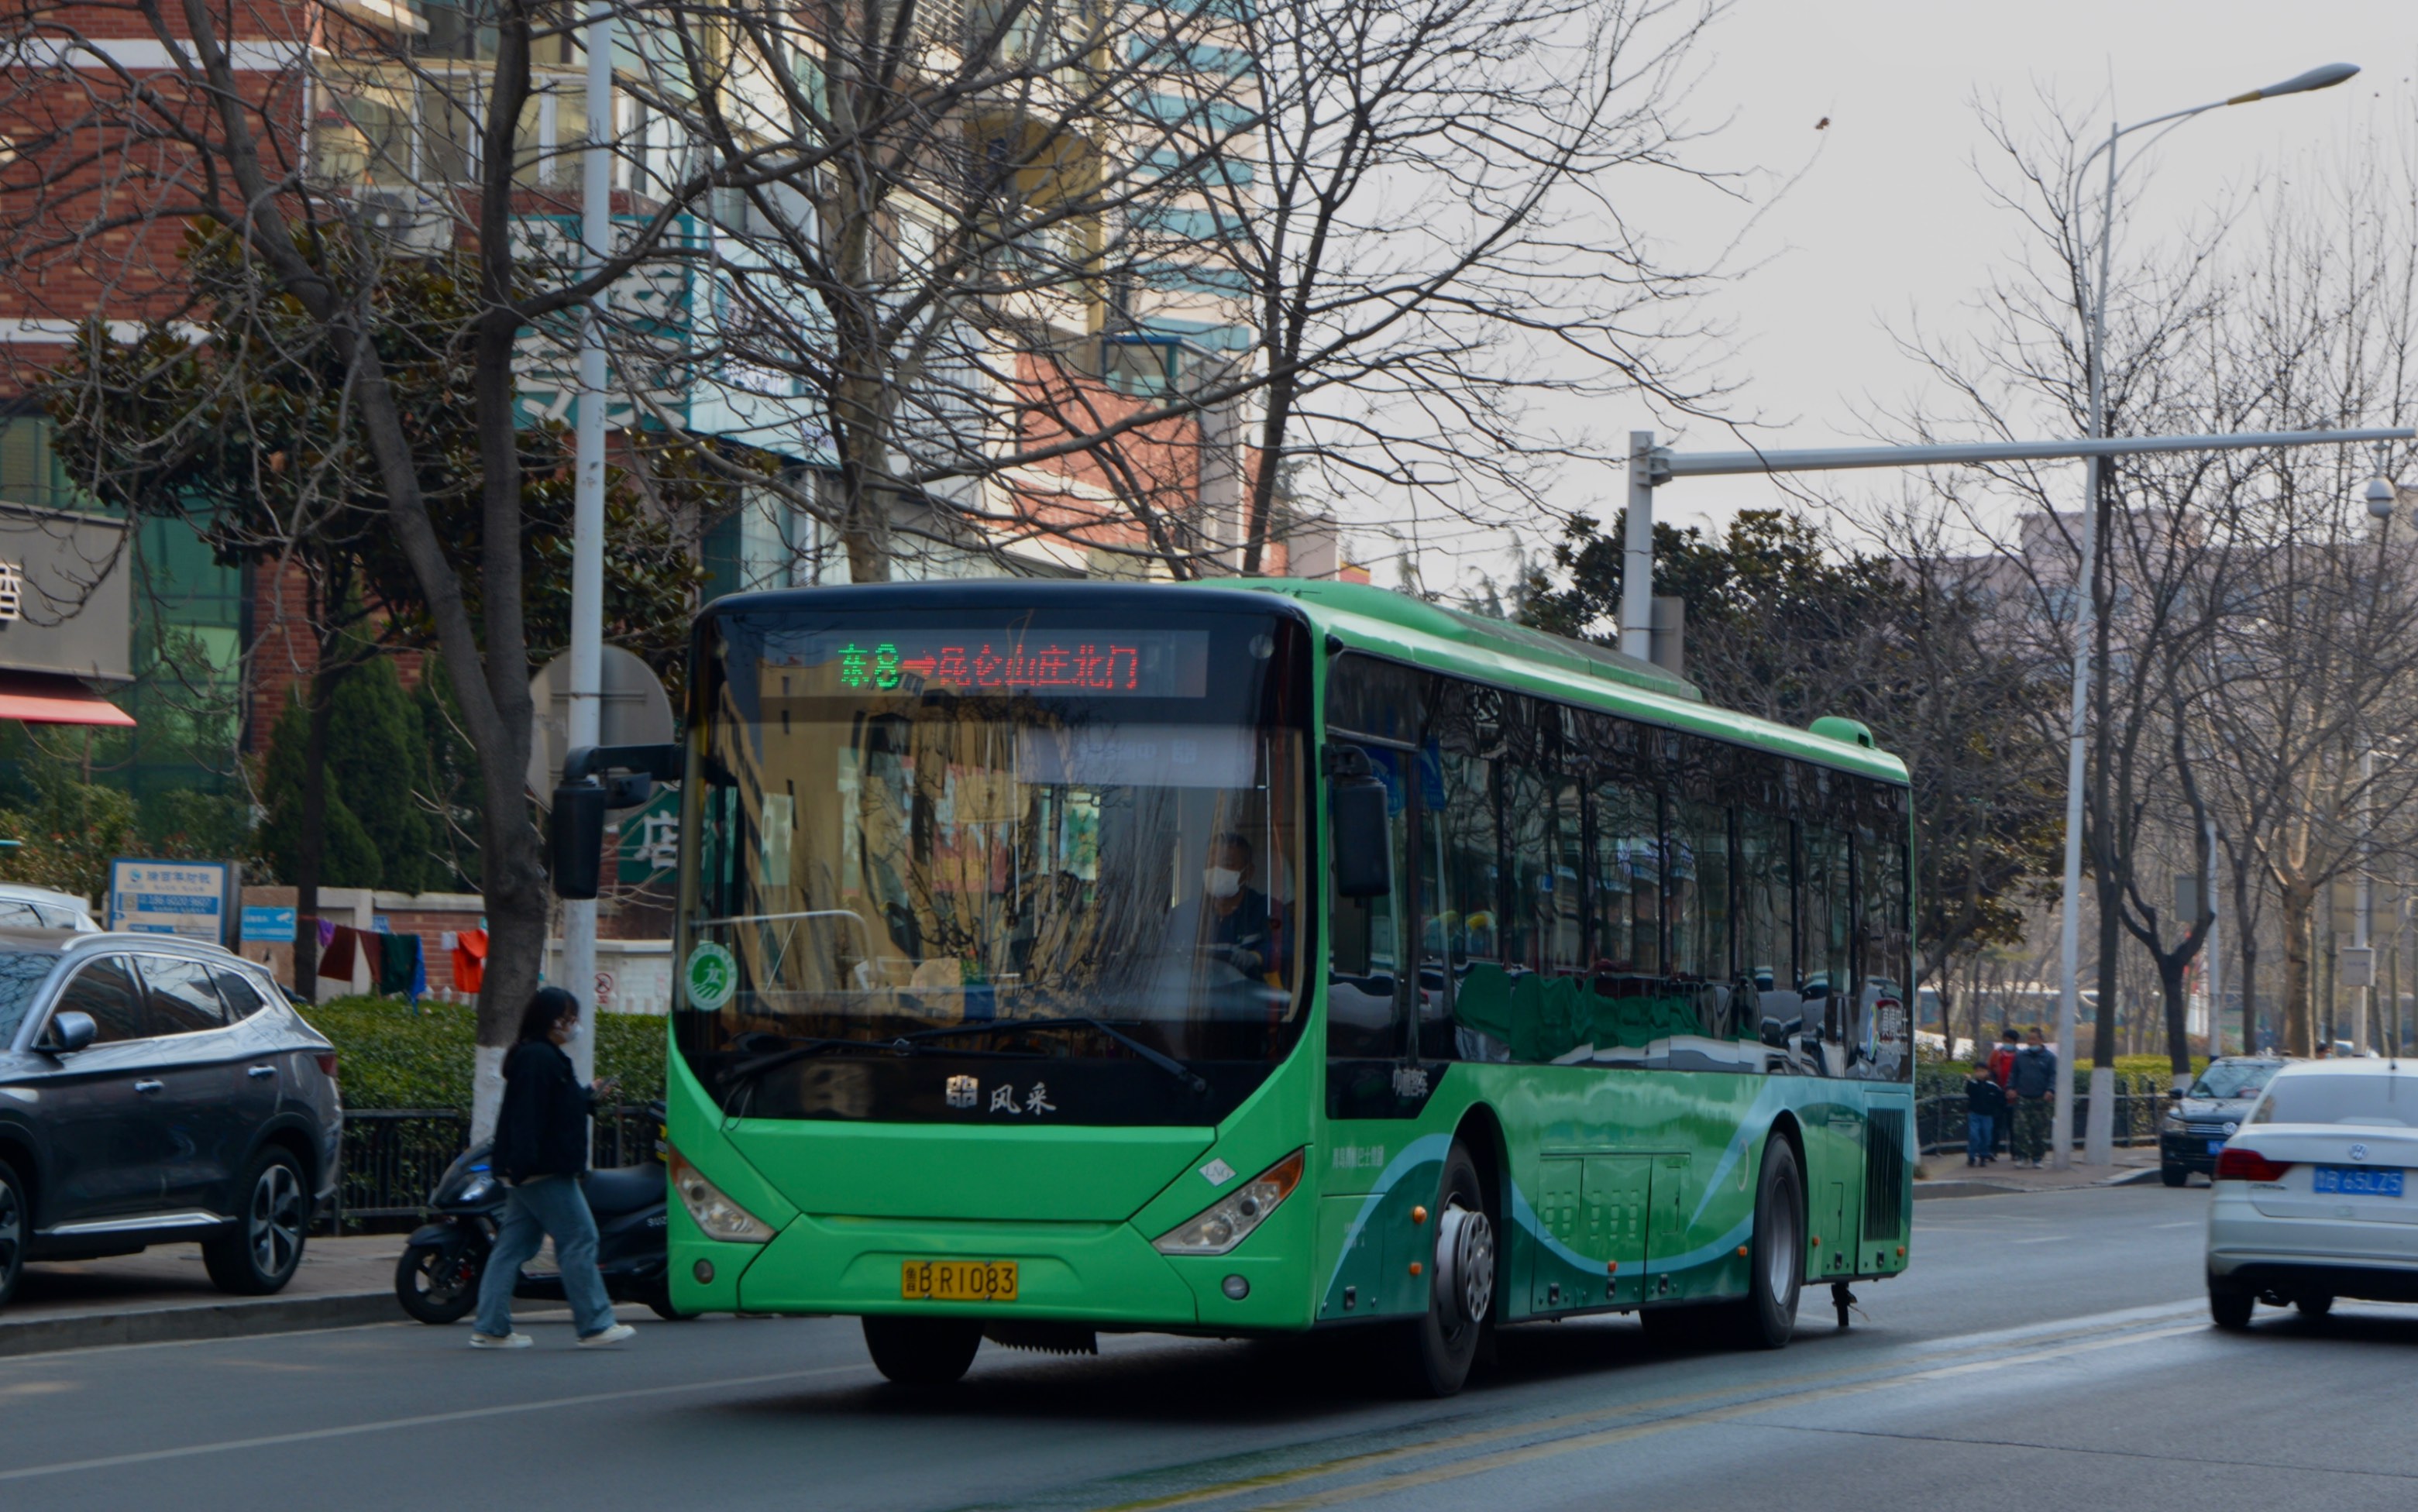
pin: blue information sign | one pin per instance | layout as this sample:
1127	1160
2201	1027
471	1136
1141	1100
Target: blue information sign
173	897
268	925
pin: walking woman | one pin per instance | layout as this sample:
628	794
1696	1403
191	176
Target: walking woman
540	1155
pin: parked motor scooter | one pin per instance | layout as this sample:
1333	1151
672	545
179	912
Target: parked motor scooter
436	1279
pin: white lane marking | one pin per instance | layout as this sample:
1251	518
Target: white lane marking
267	1441
2044	1239
2192	1224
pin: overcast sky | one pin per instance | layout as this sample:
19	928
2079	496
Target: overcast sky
1891	219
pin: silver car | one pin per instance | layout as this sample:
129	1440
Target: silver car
2314	1199
156	1089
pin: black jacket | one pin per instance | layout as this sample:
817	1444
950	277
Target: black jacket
542	1129
2035	1072
1982	1094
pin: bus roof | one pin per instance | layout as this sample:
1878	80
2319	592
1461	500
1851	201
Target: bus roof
1396	625
1386	623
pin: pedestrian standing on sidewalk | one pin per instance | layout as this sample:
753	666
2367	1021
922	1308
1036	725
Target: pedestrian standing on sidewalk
541	1155
2002	1066
1985	1103
2035	1091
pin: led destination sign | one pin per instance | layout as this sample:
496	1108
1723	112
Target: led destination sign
1148	663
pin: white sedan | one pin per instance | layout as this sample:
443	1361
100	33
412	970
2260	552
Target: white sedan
2314	1199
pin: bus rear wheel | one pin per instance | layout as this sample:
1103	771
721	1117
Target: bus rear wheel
922	1352
1766	1316
1441	1344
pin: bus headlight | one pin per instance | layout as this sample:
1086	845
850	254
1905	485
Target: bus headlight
1230	1220
716	1215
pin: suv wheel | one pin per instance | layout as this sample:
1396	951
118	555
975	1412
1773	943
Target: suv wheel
257	1254
15	1218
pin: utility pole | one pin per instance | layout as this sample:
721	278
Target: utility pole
587	504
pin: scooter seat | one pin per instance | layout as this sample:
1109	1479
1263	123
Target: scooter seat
626	1189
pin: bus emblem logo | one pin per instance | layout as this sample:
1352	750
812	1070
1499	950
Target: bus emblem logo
1217	1173
964	1091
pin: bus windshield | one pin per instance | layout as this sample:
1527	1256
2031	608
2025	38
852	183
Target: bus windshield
938	867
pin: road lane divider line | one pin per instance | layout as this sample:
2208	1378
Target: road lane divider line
270	1440
1706	1417
1698	1418
1807	1387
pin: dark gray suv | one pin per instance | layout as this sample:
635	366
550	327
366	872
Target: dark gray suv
152	1090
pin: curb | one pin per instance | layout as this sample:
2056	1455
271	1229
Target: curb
2132	1178
1923	1190
224	1320
1967	1186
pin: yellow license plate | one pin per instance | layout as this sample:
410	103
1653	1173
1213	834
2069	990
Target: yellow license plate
958	1281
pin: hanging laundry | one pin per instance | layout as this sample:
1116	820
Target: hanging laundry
336	963
469	960
397	965
326	932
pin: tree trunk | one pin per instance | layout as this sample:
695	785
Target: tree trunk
310	847
2300	1026
1263	482
2170	981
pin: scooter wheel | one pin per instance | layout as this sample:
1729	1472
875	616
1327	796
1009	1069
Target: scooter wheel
438	1283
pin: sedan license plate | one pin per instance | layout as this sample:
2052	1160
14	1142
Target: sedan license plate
2215	1145
939	1280
2358	1180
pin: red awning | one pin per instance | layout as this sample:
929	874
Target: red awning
55	699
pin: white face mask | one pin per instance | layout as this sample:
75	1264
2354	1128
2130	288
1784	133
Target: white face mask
1221	881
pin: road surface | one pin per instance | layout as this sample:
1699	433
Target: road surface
2045	1350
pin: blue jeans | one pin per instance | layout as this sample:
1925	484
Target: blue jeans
1981	1133
553	1205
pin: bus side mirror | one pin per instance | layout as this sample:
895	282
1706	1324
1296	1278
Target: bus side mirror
1364	851
574	839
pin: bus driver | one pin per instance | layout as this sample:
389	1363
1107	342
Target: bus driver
1232	920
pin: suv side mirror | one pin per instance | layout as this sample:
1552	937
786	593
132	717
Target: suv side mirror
1364	861
68	1033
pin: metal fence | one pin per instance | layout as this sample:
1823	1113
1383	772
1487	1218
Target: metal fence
2141	1103
392	1156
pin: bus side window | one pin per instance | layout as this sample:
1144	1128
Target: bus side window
1767	923
1361	1015
1697	861
1825	930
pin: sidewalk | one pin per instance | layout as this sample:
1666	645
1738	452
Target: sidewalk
1947	1175
164	1293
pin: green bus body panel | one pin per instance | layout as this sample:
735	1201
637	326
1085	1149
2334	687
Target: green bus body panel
1063	1173
1617	1187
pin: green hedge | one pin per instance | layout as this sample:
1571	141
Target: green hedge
387	1055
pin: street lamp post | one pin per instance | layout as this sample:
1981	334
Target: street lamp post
587	504
2086	651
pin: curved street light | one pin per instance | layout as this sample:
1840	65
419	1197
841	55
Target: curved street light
2086	664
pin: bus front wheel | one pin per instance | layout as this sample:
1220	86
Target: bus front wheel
922	1352
1441	1344
1766	1316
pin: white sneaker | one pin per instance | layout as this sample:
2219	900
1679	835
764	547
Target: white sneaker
606	1337
490	1341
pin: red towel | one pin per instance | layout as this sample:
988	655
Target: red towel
469	960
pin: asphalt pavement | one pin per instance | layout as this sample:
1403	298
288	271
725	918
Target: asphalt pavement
2047	1349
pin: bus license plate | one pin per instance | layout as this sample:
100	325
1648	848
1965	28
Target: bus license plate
958	1281
2357	1180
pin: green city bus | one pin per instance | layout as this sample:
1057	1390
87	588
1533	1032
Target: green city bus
1063	957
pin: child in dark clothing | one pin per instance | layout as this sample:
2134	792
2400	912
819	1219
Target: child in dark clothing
1985	1103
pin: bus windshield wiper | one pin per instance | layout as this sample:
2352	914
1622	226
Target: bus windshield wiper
801	1049
1166	1062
